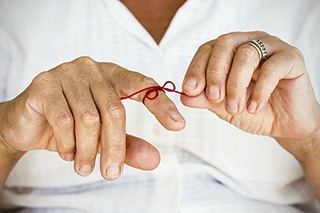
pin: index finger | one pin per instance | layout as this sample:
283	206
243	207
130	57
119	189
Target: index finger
127	82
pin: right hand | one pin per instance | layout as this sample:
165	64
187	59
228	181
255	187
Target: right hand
75	109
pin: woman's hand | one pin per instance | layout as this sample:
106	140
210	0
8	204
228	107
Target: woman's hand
271	97
75	109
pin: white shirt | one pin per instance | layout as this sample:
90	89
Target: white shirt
208	166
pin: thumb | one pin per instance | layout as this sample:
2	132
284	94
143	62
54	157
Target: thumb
140	154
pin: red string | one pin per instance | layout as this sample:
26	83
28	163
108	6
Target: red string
154	89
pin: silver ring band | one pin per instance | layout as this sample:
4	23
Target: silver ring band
261	49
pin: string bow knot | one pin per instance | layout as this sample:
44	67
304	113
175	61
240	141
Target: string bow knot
155	91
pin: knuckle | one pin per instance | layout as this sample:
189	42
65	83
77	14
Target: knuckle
205	46
232	88
85	60
213	71
226	38
89	118
147	80
65	148
274	38
64	66
63	70
110	68
117	148
246	52
84	64
269	66
116	111
262	33
237	83
42	78
235	88
88	155
116	152
110	65
41	75
294	53
64	119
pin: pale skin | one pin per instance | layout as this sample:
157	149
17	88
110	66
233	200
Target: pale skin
273	98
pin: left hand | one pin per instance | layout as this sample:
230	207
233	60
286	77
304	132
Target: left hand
271	97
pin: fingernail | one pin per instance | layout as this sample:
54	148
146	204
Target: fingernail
252	107
85	169
213	93
177	117
232	106
69	157
113	171
190	84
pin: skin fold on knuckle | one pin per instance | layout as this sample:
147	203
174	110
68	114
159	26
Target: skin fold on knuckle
115	111
89	118
215	78
236	86
246	54
115	153
214	72
64	120
86	155
65	147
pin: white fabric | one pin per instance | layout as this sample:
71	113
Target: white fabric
38	35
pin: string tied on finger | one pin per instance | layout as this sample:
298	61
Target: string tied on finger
153	91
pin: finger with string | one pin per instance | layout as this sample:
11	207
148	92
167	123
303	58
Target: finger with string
115	146
143	89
